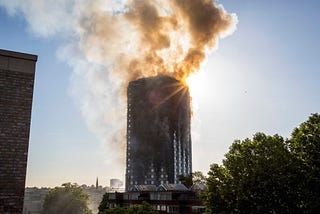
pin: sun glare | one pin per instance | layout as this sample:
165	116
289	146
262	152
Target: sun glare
196	84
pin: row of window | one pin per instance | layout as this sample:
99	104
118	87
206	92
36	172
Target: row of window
165	208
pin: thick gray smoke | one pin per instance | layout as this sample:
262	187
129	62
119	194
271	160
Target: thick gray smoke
111	42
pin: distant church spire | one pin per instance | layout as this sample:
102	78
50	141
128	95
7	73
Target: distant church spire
97	183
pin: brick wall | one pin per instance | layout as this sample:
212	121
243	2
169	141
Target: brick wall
16	91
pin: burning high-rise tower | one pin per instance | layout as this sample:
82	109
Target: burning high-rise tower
158	131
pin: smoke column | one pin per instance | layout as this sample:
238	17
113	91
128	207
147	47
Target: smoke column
111	42
147	38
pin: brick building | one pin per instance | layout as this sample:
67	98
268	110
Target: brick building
17	71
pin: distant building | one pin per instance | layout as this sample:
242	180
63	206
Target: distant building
17	71
167	198
34	199
158	132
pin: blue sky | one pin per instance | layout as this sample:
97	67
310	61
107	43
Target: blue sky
263	78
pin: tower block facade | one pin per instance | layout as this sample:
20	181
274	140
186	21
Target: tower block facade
158	131
17	72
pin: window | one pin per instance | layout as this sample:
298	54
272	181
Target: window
173	209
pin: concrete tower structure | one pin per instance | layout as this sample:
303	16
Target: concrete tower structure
158	131
17	72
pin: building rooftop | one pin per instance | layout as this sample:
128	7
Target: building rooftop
142	188
172	187
15	61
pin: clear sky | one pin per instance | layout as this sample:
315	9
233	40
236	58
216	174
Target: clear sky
265	77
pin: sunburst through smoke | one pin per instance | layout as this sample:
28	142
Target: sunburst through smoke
111	42
146	38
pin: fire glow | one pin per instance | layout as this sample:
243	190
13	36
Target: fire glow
109	43
139	39
148	38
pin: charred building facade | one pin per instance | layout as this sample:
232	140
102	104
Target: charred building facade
158	131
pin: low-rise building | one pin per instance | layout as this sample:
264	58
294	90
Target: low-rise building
166	198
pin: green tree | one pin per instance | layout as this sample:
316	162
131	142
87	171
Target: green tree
257	176
186	180
143	208
268	174
104	203
192	178
305	145
69	198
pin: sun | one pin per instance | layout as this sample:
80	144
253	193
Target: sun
196	85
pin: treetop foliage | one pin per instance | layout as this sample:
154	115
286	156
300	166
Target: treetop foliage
269	174
69	198
192	178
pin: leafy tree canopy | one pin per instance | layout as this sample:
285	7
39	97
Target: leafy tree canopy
269	174
192	178
69	198
305	145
